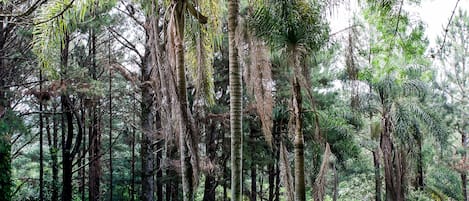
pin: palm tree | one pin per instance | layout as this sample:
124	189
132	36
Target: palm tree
401	106
236	128
295	26
187	133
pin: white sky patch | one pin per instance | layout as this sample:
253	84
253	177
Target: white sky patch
434	14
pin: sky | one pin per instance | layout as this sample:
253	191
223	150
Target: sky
434	13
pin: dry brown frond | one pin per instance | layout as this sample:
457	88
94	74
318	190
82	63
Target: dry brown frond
319	184
255	60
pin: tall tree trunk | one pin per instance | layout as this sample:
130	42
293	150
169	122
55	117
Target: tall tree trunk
272	186
376	162
298	143
41	140
235	104
132	146
394	164
82	161
253	183
277	178
5	144
95	131
463	175
68	151
147	117
110	134
185	131
53	149
211	147
387	149
420	176
253	169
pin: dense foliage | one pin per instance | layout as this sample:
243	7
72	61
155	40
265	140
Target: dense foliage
231	100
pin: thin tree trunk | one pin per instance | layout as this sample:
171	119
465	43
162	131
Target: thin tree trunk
272	186
277	178
235	84
376	159
463	175
185	131
84	152
95	132
253	182
41	141
132	146
420	176
68	152
110	135
53	153
210	180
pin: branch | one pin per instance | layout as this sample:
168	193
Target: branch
202	19
27	12
129	13
447	26
57	15
126	43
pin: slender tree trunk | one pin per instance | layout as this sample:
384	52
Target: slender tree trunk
41	141
132	146
253	183
95	132
68	151
84	152
277	178
272	186
159	171
5	144
300	192
147	117
235	104
420	176
376	159
110	135
211	147
53	153
463	175
185	132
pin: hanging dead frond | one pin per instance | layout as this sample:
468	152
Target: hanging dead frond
255	60
285	173
320	182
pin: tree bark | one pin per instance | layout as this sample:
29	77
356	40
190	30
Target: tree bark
235	104
53	149
272	186
110	135
68	151
41	141
94	131
210	180
300	193
147	116
132	146
394	164
463	175
376	162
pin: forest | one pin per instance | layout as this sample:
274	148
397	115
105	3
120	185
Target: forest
242	100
